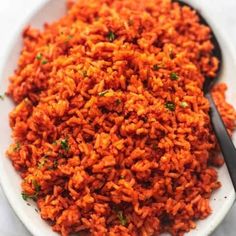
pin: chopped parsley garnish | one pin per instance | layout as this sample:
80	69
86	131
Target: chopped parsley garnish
44	62
118	102
122	218
184	104
170	106
155	67
37	187
39	56
2	97
65	145
103	93
174	76
111	36
17	148
26	196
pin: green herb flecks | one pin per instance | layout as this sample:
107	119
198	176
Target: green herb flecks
37	187
16	148
2	97
39	56
156	67
111	36
65	144
26	196
174	76
184	104
170	106
44	61
122	218
118	102
103	93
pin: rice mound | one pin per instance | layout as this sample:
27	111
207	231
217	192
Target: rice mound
111	128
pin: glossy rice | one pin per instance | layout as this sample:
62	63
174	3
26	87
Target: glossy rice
111	132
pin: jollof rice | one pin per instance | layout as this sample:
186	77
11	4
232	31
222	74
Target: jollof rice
111	129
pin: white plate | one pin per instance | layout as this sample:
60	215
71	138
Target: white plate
221	200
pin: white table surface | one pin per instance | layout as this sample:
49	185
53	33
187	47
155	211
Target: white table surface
13	12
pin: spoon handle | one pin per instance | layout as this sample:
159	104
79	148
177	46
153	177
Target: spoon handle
225	142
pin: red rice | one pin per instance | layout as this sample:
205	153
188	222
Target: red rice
111	129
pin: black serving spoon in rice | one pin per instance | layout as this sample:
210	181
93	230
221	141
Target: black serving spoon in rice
226	145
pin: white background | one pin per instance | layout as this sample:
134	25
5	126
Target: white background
13	12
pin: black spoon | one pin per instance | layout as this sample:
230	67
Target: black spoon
226	145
